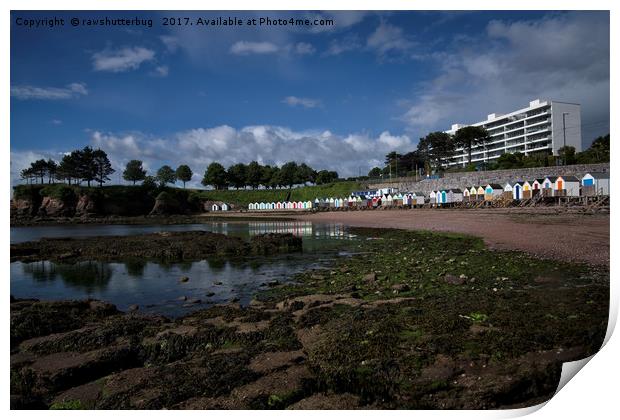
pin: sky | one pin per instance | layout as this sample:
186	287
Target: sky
337	97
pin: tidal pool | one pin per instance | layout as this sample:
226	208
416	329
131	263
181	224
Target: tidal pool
157	287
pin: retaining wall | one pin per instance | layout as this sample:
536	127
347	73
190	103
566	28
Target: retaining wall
467	179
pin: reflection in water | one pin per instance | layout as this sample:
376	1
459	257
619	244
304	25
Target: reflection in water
135	267
88	276
155	286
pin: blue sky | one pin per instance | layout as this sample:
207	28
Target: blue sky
337	97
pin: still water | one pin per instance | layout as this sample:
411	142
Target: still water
155	287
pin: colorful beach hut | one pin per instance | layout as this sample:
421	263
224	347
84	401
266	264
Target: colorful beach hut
595	183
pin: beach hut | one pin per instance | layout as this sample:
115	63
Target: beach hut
397	200
493	191
567	186
454	195
480	192
224	207
215	207
278	205
300	204
418	198
433	197
272	206
331	202
308	205
548	185
517	190
466	194
527	190
443	196
473	193
389	200
317	203
537	186
595	183
507	191
251	206
262	206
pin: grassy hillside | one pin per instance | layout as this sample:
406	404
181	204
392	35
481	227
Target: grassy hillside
245	197
142	199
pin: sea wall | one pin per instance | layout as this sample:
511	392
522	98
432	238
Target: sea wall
467	179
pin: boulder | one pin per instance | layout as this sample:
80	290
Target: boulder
23	207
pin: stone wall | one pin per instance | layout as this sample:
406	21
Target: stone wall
467	179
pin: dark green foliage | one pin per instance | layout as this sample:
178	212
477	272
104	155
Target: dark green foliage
184	174
166	175
134	171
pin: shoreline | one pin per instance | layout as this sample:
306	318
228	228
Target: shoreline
541	232
436	323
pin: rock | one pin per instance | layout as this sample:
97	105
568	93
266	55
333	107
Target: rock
452	279
273	283
209	294
85	206
184	279
133	308
402	287
54	207
182	298
234	300
165	204
344	269
217	283
370	277
194	300
317	277
23	207
463	276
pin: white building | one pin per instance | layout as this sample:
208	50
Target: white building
544	126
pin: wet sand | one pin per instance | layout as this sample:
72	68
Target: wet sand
563	236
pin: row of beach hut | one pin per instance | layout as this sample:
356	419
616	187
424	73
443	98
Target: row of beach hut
591	184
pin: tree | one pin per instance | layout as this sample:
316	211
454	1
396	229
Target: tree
267	176
184	174
85	165
68	167
216	176
390	159
134	171
325	177
149	183
289	174
101	166
27	175
469	137
237	175
435	147
254	174
375	172
165	175
52	168
38	169
567	154
305	174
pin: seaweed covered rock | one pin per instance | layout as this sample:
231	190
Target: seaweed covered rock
165	204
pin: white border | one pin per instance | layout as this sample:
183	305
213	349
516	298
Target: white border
591	394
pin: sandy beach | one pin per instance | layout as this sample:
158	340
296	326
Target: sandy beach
565	236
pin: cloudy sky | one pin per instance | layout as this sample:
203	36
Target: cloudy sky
337	97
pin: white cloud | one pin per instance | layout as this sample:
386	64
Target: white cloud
561	57
72	90
250	47
121	60
303	48
56	122
171	42
389	39
346	44
161	71
305	102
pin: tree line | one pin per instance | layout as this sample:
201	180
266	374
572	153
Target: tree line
435	149
92	165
